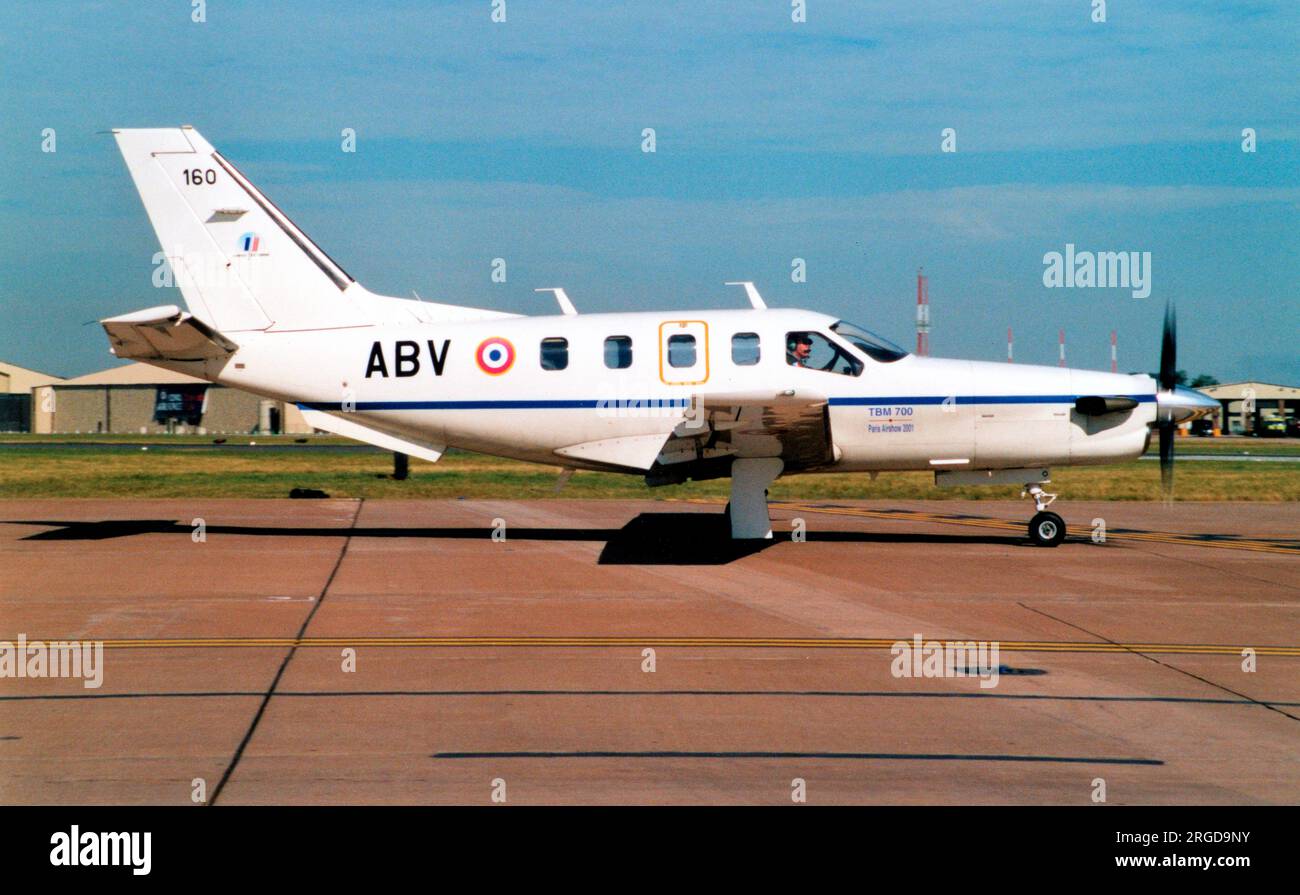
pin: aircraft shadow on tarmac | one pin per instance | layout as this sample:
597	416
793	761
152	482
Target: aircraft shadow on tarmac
648	539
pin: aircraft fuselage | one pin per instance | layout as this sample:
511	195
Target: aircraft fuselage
507	386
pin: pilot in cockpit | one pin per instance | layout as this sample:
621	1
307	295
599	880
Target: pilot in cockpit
798	347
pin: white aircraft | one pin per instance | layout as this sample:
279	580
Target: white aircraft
751	394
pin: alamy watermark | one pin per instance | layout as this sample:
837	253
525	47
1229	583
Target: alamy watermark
77	849
1098	270
645	408
58	658
950	658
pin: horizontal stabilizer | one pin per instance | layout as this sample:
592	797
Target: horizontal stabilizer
165	333
366	432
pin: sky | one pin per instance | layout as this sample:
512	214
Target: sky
775	140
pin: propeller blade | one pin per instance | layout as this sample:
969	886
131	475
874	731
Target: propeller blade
1168	381
1169	350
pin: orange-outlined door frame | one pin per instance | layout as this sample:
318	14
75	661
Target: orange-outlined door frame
684	375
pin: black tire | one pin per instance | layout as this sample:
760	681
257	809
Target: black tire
1046	529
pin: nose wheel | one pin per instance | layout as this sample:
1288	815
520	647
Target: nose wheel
1045	529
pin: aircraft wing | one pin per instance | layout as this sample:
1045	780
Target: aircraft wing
793	425
370	434
626	452
700	440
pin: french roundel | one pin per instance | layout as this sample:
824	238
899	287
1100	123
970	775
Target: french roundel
495	356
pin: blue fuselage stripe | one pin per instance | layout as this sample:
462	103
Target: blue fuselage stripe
576	404
973	399
603	403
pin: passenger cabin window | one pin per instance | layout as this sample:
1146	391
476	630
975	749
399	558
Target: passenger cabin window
681	351
745	350
555	353
816	352
618	352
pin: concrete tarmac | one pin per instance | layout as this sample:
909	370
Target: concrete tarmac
338	651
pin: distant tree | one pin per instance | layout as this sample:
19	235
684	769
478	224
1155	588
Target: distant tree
1204	380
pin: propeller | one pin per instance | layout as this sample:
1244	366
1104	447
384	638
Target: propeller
1168	381
1174	403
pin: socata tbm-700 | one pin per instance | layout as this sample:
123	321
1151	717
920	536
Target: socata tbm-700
751	394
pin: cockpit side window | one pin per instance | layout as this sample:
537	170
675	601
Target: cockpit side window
870	344
814	351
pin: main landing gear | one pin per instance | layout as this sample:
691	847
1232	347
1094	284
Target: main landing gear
1045	529
747	512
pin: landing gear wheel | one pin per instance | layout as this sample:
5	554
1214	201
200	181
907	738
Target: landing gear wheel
1046	529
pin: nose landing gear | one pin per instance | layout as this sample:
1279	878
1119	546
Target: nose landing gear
1045	529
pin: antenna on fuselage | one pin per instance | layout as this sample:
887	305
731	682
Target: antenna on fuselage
751	291
561	298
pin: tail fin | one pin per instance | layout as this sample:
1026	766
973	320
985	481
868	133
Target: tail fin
241	264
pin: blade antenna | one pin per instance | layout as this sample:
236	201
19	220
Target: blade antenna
562	299
751	292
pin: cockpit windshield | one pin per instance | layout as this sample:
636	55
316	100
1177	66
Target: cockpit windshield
869	343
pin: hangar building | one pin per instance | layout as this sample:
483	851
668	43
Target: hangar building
141	399
16	385
1246	406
